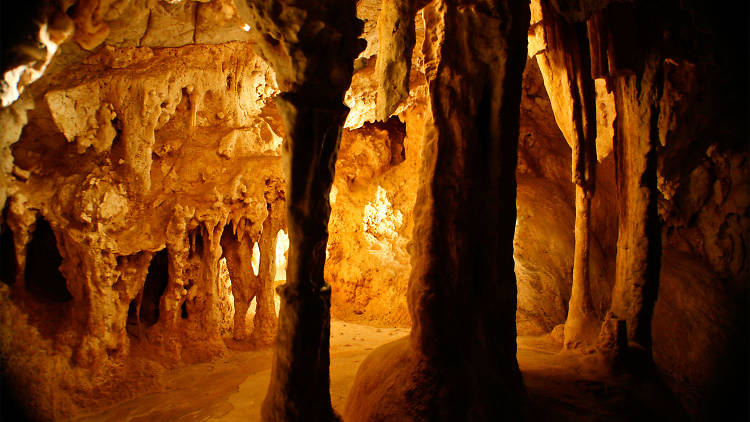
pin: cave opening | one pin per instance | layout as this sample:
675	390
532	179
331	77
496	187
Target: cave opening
154	287
183	310
42	277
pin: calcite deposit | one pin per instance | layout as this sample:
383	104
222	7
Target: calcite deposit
473	171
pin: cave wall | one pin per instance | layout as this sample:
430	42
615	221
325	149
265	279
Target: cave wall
684	65
372	217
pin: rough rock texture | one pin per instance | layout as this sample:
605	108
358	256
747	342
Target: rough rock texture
371	225
396	38
33	32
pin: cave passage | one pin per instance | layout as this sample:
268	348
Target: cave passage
153	289
7	256
42	276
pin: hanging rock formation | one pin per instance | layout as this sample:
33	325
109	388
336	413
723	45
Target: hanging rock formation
565	64
106	167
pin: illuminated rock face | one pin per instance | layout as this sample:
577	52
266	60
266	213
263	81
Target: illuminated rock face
140	168
163	140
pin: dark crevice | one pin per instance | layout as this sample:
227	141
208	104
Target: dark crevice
7	255
43	277
196	238
184	312
131	325
153	289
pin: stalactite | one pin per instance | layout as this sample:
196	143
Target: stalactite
396	38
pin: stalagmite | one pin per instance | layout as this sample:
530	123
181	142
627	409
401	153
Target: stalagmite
312	47
563	57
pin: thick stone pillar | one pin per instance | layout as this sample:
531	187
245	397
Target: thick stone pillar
459	363
311	46
462	293
635	72
639	230
564	59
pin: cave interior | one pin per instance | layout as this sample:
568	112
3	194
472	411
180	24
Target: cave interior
374	210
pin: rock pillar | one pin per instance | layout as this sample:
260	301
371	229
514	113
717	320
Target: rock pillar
311	46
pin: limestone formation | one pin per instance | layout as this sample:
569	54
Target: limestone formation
591	197
265	321
565	64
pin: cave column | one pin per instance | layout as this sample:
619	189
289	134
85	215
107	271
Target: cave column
311	46
180	249
562	51
462	292
209	286
635	72
237	249
265	321
97	309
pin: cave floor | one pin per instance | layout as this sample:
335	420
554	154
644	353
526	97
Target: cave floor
559	386
232	388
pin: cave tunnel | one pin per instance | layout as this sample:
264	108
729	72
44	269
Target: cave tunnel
372	210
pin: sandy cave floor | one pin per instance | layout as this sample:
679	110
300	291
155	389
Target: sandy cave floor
559	386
